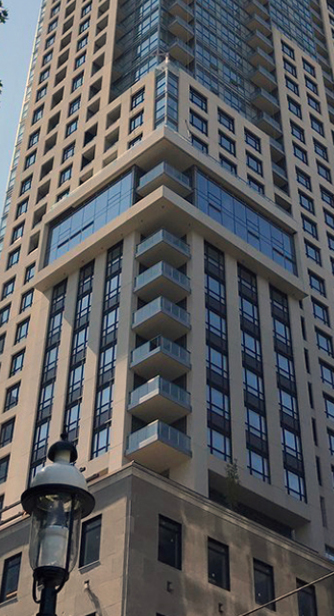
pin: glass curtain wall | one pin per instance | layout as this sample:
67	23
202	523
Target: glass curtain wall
210	42
221	51
293	17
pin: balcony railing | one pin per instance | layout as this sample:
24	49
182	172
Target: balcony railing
160	386
159	430
164	174
160	344
161	305
160	278
158	446
174	250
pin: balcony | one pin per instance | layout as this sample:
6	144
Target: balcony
277	150
256	8
159	398
328	78
265	101
268	125
280	175
160	356
158	447
331	112
321	48
257	39
181	29
118	50
316	16
263	78
261	58
162	278
181	52
160	246
256	22
117	69
282	199
164	175
181	9
161	317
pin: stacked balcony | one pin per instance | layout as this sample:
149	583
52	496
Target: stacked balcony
160	355
261	58
277	150
159	359
279	175
268	125
162	278
158	446
182	52
181	9
160	316
162	244
262	78
181	29
257	8
161	397
166	175
258	24
258	39
265	101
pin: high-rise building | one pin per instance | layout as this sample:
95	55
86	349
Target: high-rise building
167	300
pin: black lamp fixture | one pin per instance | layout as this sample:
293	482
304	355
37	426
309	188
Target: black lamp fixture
57	500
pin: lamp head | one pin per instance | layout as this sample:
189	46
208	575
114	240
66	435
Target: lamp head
61	476
57	500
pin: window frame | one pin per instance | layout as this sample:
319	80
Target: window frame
10	563
167	525
96	526
218	559
268	572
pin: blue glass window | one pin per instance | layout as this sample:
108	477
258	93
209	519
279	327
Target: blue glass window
245	222
75	227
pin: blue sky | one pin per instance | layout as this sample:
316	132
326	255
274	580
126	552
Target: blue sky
16	41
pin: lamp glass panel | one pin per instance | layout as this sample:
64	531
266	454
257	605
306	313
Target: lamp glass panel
50	530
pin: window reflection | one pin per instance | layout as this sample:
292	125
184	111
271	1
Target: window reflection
74	228
245	222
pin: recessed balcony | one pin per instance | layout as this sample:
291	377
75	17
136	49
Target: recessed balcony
282	199
162	278
117	69
164	175
158	446
280	174
160	356
161	317
277	150
331	112
118	50
159	398
162	246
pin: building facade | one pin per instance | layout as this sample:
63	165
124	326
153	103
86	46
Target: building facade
167	296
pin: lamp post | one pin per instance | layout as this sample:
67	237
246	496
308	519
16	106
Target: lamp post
57	500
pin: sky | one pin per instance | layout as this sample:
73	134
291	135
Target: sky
16	42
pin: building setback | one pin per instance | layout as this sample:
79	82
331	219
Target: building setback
167	298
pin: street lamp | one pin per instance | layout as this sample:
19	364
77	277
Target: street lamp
57	500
